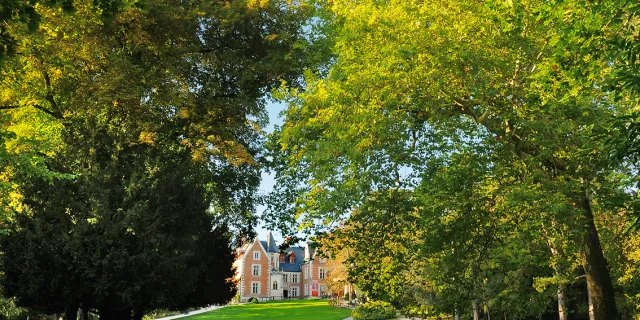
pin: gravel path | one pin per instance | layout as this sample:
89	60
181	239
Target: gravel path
192	313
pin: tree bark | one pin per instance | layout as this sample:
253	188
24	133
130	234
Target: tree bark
476	310
562	301
84	313
590	306
488	312
595	267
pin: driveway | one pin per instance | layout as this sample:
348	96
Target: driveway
191	313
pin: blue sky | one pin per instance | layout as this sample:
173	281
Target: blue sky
266	186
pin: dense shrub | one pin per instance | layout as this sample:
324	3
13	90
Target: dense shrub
253	300
417	311
374	310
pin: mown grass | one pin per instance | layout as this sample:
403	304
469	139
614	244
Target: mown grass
289	310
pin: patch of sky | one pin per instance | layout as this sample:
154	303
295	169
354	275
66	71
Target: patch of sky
274	110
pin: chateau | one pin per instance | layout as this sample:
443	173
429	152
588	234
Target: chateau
263	272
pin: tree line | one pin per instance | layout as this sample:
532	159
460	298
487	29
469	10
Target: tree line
479	159
130	148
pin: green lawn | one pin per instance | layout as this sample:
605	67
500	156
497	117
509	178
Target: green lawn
299	309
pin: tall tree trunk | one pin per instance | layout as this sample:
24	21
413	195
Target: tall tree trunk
595	267
590	306
457	314
84	313
476	310
562	301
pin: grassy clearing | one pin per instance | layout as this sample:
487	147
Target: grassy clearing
289	310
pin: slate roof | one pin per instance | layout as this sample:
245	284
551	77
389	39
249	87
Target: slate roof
270	244
293	267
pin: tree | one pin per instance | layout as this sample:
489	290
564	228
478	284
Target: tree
410	79
144	242
157	110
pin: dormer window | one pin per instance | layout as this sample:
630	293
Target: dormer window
292	258
282	256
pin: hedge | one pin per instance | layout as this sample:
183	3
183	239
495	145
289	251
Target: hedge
374	310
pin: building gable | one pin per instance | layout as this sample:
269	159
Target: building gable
250	249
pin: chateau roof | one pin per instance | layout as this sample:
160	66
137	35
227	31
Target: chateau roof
270	244
298	252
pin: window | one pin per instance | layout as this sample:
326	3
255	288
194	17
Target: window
282	258
256	255
294	291
323	260
294	278
285	278
304	273
255	287
321	273
275	285
256	269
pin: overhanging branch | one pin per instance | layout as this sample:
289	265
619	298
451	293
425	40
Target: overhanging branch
56	115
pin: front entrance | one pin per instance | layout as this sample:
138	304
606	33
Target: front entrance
285	293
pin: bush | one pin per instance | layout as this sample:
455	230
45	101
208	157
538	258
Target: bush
253	300
374	310
417	311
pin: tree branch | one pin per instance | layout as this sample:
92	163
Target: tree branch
49	97
484	115
9	107
56	115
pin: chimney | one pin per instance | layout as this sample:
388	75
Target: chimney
307	252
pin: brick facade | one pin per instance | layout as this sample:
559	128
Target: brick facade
248	271
278	270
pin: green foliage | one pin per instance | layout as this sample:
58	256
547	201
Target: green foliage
153	247
9	310
419	311
374	310
132	143
468	144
